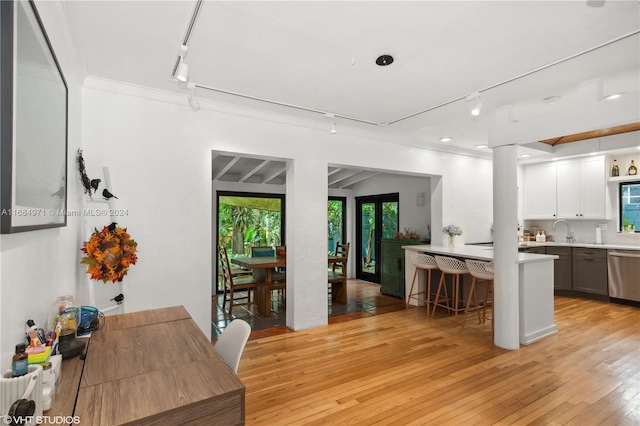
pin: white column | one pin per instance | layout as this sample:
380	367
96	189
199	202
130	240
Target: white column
306	237
505	243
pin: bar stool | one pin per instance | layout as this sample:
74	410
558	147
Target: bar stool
426	263
455	268
482	271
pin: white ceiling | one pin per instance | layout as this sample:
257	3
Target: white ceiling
320	56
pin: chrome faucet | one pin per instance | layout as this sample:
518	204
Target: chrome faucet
570	236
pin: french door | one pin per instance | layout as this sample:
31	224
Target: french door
376	218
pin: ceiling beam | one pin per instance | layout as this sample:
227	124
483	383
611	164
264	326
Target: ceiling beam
348	174
254	171
355	179
625	128
581	114
274	175
226	168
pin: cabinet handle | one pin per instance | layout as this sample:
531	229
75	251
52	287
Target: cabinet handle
399	264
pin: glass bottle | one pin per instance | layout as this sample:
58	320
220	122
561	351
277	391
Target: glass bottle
633	170
64	313
615	170
20	362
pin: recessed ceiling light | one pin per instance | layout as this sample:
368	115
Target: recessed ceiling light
551	99
613	96
446	139
384	60
482	146
525	155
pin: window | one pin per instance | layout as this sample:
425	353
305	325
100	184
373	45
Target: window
246	220
630	206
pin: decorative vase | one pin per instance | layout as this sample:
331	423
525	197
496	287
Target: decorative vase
452	240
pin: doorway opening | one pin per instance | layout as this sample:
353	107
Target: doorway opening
246	220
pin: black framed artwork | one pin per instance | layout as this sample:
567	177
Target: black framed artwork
33	124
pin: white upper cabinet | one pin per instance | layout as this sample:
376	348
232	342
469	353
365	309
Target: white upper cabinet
569	189
581	188
539	191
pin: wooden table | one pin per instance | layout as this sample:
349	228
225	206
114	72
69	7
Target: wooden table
156	367
263	268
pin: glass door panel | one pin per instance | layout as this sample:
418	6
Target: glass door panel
367	235
336	226
389	219
377	218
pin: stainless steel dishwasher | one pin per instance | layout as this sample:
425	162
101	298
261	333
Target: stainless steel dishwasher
624	274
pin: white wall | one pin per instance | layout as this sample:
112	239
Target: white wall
160	154
38	266
411	216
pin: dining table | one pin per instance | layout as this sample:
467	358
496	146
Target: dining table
148	368
263	269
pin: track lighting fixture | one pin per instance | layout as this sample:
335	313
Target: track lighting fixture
193	101
182	69
332	129
478	105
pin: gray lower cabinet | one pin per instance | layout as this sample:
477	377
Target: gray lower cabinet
562	271
590	271
538	250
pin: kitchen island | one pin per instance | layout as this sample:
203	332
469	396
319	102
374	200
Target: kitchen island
535	285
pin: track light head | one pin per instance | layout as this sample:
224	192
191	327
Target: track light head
193	101
182	74
476	109
181	70
332	129
478	105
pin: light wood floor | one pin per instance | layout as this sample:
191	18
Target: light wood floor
404	368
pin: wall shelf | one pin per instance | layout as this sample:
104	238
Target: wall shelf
624	179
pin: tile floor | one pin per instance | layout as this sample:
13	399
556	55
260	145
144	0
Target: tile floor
364	299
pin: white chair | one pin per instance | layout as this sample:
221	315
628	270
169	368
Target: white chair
456	268
481	271
231	342
426	263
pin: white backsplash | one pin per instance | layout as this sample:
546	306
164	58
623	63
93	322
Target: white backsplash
585	231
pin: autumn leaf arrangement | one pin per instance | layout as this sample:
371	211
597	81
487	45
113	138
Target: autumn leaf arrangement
109	253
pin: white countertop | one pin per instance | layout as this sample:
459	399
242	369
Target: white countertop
586	245
476	252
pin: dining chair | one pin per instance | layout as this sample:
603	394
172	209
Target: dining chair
278	277
231	342
263	251
337	276
232	284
